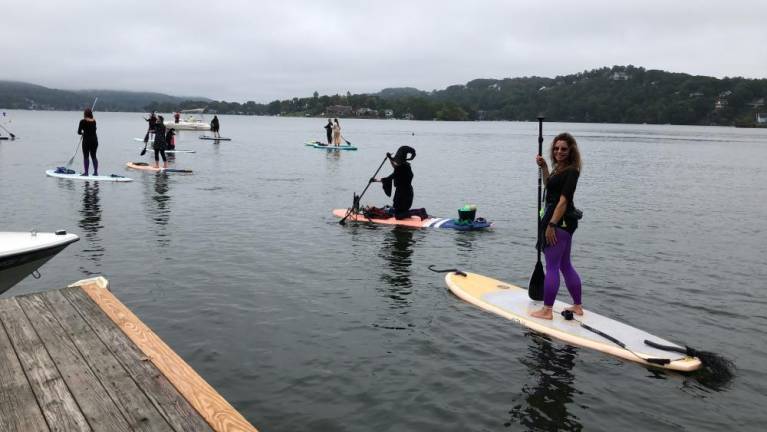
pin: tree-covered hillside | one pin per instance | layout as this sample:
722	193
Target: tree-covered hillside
618	94
19	95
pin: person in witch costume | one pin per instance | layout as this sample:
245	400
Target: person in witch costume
559	223
402	180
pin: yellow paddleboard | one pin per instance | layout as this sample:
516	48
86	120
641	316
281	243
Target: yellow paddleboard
512	302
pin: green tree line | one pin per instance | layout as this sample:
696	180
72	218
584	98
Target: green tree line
618	94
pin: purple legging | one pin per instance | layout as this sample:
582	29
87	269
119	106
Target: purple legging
558	259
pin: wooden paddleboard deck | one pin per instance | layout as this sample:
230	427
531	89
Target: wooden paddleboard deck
513	303
416	222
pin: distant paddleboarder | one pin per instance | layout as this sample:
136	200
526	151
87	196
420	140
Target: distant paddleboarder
559	223
159	143
336	133
214	126
170	139
152	120
329	131
90	141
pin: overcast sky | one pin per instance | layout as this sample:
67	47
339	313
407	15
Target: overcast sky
261	51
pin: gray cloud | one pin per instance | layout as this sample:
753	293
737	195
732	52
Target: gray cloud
241	50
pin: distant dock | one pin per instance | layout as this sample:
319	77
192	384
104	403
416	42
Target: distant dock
77	359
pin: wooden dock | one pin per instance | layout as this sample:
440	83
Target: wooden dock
76	359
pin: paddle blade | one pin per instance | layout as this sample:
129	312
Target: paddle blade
143	152
535	289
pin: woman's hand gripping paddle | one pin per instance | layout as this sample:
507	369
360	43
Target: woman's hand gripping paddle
535	289
356	203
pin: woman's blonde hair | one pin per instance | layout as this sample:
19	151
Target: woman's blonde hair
573	156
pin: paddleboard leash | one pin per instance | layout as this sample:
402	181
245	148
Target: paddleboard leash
451	270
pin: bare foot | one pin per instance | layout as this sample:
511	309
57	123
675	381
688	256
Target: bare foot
542	313
576	309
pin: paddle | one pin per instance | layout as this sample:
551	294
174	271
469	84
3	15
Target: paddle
356	202
143	152
720	367
535	289
72	159
347	141
9	132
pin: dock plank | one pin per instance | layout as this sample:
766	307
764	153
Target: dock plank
91	396
58	405
213	407
129	398
161	392
18	408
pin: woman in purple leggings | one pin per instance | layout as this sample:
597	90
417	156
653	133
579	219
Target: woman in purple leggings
559	224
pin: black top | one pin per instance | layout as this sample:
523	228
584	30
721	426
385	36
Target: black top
214	122
561	184
87	128
159	136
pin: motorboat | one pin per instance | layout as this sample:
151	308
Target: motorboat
23	253
191	119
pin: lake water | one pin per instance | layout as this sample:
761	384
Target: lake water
305	325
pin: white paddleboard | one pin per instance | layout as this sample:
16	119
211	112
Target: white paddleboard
143	166
210	138
513	303
109	178
171	151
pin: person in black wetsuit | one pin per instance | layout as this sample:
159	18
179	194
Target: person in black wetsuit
401	179
329	131
214	126
87	128
159	143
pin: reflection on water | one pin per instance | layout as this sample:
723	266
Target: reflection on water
546	399
397	249
158	207
90	224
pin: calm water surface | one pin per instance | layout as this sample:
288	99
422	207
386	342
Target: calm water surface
304	325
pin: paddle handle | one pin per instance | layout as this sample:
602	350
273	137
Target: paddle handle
540	176
357	199
374	174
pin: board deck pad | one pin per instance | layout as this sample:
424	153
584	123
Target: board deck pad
416	222
76	176
513	303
